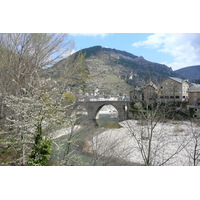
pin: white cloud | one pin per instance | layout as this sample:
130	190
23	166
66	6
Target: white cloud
103	35
184	47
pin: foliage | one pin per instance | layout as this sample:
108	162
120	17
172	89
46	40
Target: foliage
22	57
27	101
191	111
28	114
41	151
68	97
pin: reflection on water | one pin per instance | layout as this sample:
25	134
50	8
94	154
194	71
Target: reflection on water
108	121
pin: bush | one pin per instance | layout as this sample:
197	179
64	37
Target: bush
68	97
41	151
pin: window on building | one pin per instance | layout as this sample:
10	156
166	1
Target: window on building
171	97
167	97
184	97
198	101
161	97
177	97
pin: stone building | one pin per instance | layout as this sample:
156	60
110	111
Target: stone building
194	94
173	89
194	100
150	92
136	95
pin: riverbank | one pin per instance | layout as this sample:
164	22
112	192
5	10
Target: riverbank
172	143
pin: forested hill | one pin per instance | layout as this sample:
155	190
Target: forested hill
191	73
131	63
113	71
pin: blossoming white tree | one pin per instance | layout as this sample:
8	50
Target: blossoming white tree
29	104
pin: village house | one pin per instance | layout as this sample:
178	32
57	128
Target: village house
150	92
194	94
173	89
147	93
136	95
194	100
170	89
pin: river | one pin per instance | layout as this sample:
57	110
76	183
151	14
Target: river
108	121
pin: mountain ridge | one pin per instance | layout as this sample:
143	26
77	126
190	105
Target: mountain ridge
192	73
111	70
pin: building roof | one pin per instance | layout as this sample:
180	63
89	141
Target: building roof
178	79
152	84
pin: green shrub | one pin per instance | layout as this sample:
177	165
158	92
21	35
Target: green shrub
40	152
68	97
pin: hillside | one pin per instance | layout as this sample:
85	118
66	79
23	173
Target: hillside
191	73
112	71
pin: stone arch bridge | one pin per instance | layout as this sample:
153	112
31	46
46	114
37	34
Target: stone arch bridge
93	107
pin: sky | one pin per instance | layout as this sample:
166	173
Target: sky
176	50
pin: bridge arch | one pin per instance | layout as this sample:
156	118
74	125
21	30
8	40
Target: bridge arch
93	108
103	105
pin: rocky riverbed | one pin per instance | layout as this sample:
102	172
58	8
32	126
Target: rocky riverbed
172	143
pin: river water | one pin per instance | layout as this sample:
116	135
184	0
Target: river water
108	121
80	154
